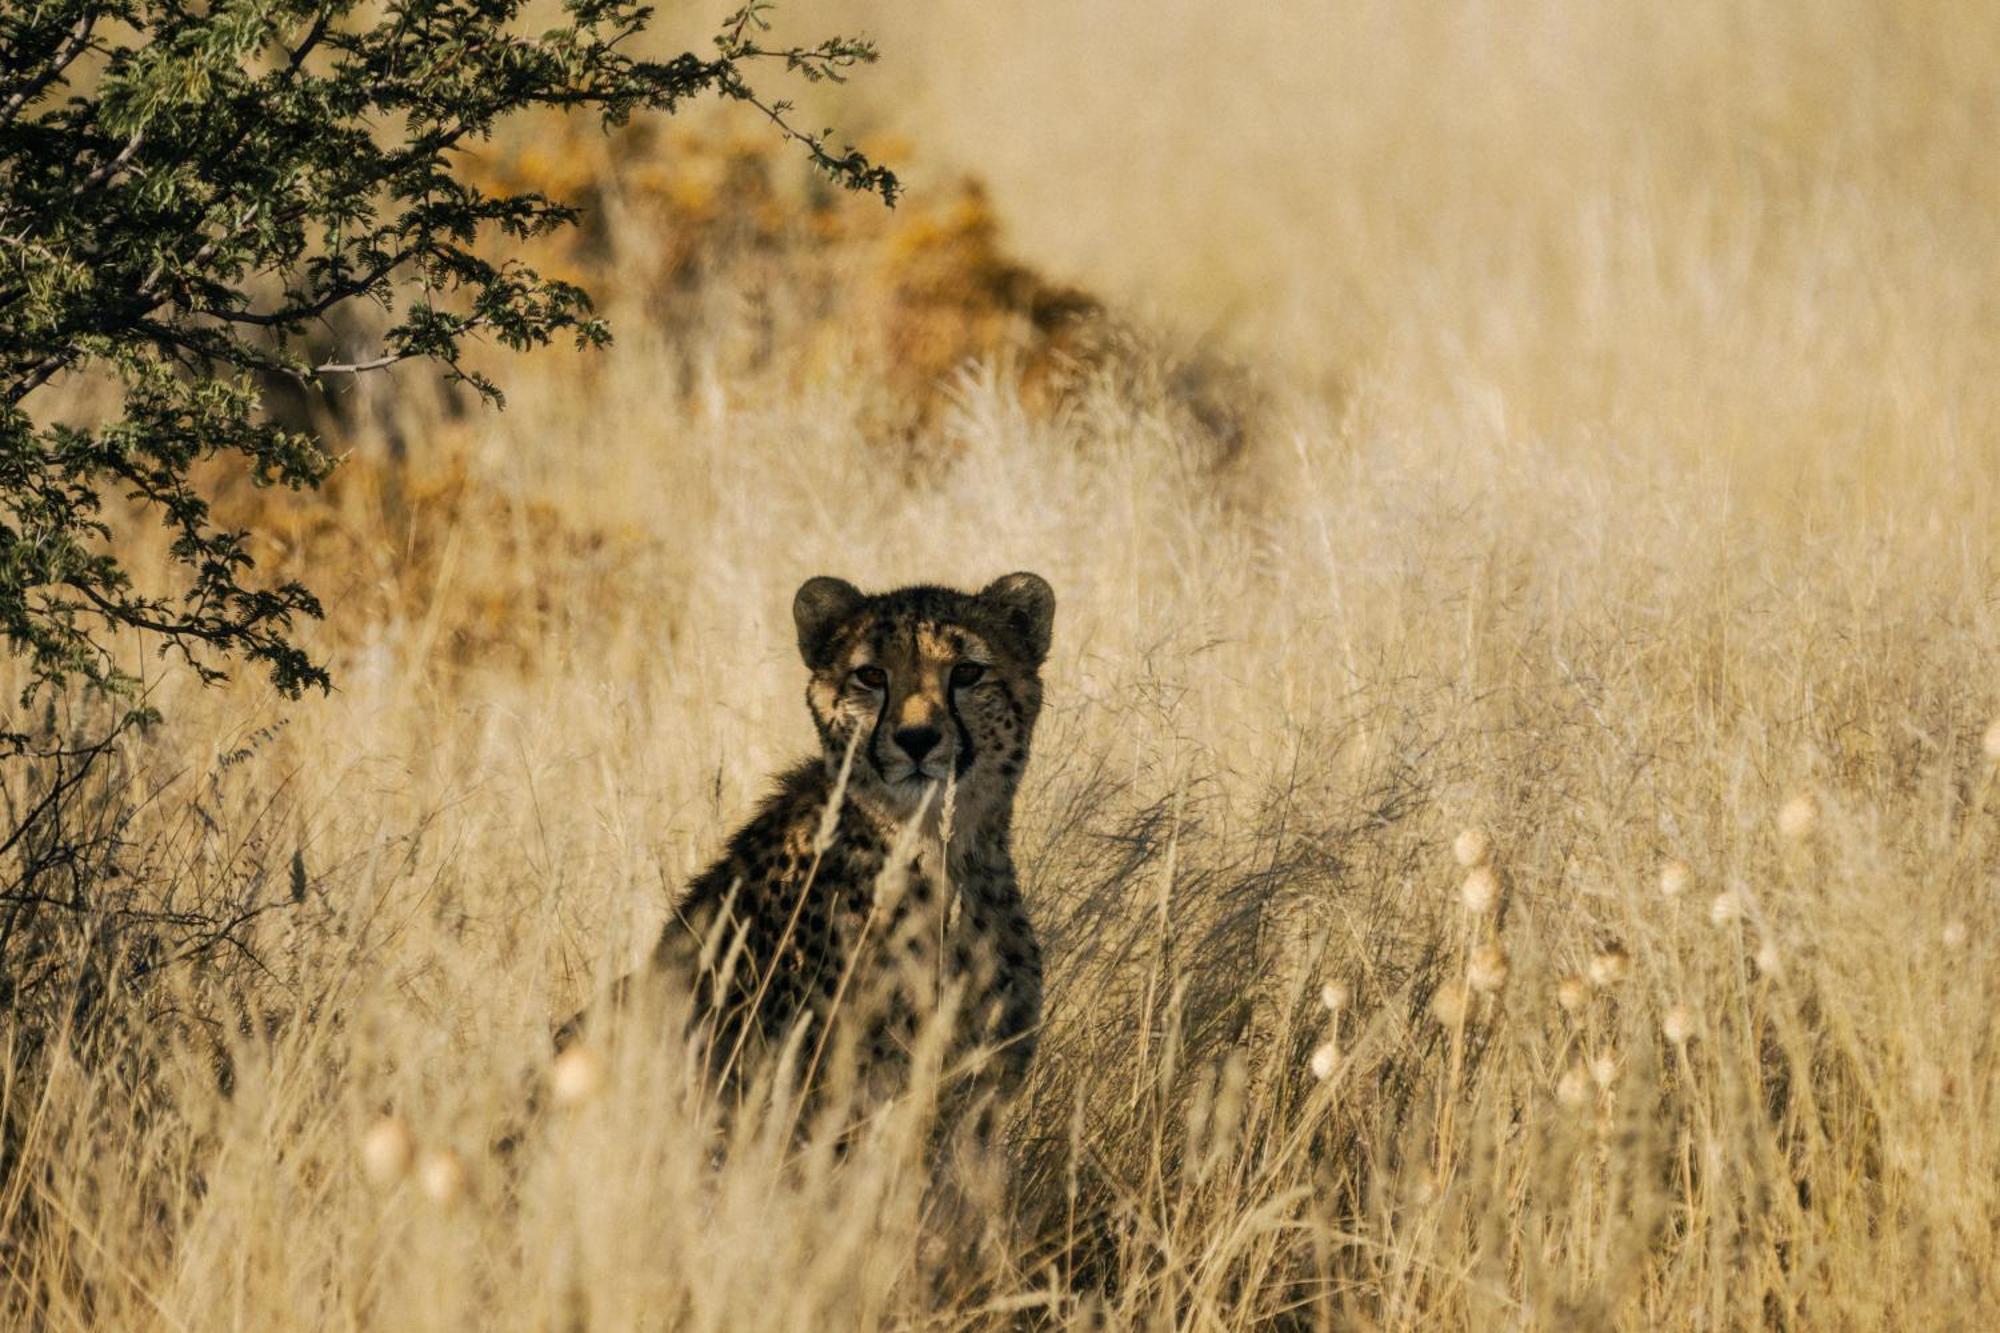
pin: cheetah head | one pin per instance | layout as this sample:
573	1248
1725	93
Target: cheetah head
930	687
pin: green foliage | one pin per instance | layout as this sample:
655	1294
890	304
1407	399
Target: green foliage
187	191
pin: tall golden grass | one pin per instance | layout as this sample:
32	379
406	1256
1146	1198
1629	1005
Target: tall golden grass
1515	830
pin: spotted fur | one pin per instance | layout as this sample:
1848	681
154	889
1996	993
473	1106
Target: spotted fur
858	921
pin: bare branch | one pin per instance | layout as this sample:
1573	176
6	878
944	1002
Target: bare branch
387	359
111	168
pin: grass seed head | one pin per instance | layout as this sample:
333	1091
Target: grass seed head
1675	878
1481	891
1325	1059
1573	993
1726	907
575	1076
1573	1088
442	1175
1798	816
1486	971
1678	1025
1472	848
1604	1069
1335	996
386	1150
1610	967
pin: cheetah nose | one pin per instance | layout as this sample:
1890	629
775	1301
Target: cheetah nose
918	742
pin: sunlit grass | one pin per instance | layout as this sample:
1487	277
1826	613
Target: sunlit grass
1516	835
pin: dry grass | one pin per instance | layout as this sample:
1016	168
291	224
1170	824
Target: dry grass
1620	483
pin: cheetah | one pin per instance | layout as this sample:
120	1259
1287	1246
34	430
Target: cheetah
880	872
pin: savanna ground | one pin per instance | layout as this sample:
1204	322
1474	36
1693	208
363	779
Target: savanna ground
1578	425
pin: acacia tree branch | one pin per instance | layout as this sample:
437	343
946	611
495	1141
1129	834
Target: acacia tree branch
73	45
112	167
310	147
289	316
129	612
41	373
848	164
387	359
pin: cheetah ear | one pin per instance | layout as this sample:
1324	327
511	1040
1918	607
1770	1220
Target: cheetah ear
822	606
1026	605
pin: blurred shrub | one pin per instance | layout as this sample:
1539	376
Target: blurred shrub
726	269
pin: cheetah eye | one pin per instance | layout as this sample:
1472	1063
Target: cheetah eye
873	677
965	674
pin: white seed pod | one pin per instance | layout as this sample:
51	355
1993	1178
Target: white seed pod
1726	907
1678	1025
1335	996
1481	891
1610	967
1325	1060
1604	1070
1798	816
575	1076
441	1175
1675	877
1486	970
1573	1088
1472	848
1573	994
386	1149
